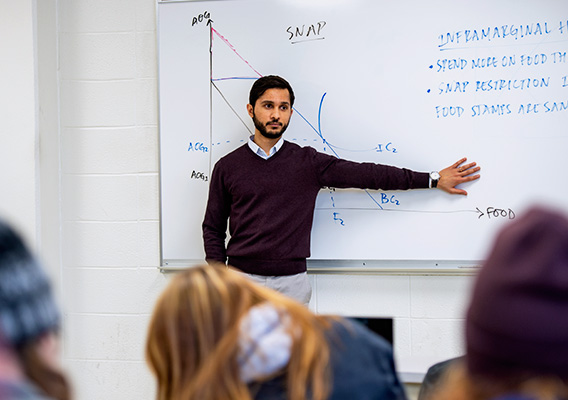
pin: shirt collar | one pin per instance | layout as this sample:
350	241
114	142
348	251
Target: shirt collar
258	151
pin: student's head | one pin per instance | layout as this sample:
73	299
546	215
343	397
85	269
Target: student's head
517	321
29	317
270	106
201	343
518	317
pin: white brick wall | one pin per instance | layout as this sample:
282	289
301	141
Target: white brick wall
110	214
110	195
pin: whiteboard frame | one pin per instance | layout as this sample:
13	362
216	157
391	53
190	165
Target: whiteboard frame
316	265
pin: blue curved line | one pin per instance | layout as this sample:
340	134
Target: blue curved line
332	146
319	127
319	116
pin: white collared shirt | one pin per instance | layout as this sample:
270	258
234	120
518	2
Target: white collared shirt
257	150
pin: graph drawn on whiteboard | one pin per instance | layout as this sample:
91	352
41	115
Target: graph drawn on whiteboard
367	90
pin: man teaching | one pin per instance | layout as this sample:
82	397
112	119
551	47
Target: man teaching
267	191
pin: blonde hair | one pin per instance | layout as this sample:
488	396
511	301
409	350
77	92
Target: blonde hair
459	384
192	341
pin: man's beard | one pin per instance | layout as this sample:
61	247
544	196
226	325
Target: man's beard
264	132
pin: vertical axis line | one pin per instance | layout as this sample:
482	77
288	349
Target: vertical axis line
210	98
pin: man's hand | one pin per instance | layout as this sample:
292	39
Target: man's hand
455	174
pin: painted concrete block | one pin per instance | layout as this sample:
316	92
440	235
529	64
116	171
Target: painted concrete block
440	296
98	104
111	380
119	150
105	337
112	290
102	198
97	15
363	295
98	56
100	244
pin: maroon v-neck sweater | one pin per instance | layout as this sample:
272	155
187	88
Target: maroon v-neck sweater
270	204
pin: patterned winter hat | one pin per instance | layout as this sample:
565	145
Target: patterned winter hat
27	307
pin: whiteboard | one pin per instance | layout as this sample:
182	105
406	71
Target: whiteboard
408	83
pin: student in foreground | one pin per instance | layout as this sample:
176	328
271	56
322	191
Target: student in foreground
29	320
215	334
517	321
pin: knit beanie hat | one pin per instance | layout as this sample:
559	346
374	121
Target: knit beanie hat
517	321
27	307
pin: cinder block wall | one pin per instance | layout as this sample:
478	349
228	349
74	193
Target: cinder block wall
109	192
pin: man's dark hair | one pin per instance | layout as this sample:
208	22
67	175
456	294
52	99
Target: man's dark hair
269	82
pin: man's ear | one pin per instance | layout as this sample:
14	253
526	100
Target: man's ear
250	110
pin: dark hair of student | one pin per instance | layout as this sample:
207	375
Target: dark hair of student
515	328
261	85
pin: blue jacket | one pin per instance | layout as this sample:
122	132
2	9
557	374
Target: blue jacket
362	368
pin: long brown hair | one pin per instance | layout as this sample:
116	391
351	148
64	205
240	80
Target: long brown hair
192	340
